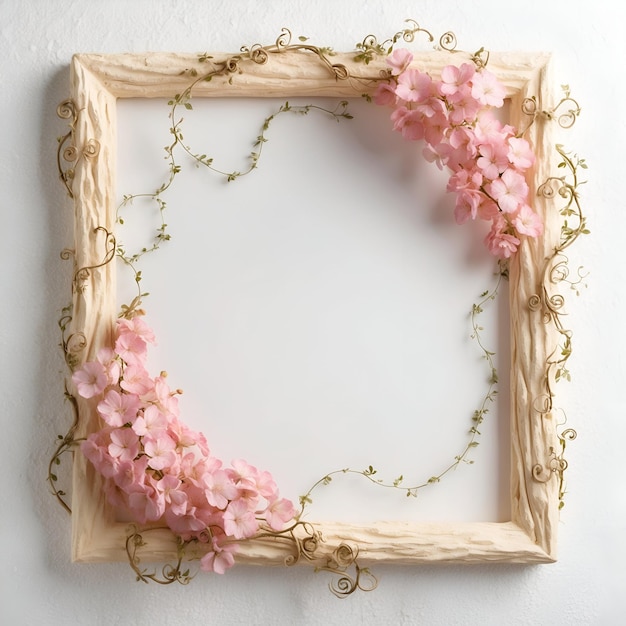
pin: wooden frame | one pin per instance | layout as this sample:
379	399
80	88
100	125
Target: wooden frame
530	535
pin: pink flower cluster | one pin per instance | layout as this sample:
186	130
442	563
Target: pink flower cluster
455	119
157	468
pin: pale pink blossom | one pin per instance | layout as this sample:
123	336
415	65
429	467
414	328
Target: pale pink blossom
527	222
124	444
131	474
464	107
520	154
160	449
414	86
493	159
95	446
399	60
136	380
136	326
500	243
434	129
385	94
111	364
106	464
194	469
188	524
488	128
244	473
151	422
173	494
239	520
166	398
266	485
117	409
453	77
220	488
509	191
279	513
90	379
409	123
487	89
219	559
436	154
146	503
131	348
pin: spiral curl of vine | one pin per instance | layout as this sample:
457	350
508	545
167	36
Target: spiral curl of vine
82	274
170	572
67	111
448	41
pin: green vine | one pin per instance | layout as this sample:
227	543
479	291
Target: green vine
340	112
478	416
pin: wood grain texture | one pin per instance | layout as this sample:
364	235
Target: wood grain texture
530	536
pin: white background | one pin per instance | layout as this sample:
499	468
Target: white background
38	584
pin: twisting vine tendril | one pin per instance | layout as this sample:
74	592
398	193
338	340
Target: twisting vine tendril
551	304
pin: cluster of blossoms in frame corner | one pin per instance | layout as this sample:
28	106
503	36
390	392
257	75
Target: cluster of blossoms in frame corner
454	117
156	468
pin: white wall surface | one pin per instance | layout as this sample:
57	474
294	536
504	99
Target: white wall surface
39	585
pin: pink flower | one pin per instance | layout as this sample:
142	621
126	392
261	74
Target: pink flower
409	123
219	559
434	128
278	513
385	94
453	77
131	474
509	191
160	450
147	504
220	489
527	222
399	60
520	154
152	422
414	86
488	128
92	448
193	469
136	380
124	444
244	473
171	488
136	326
500	243
493	159
188	524
111	364
131	348
90	379
464	107
239	520
487	90
116	409
266	485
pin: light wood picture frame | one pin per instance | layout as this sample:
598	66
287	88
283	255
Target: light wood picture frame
537	464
